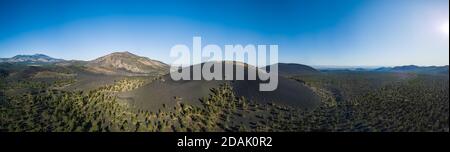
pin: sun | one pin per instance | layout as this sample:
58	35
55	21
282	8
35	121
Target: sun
445	28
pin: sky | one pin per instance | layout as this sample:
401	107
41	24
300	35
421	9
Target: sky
312	32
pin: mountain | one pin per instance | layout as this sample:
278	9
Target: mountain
415	69
31	59
292	69
126	63
164	90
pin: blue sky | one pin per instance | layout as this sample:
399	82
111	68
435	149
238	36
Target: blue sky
313	32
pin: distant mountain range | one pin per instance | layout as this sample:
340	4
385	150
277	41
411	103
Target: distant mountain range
415	69
395	69
31	59
126	63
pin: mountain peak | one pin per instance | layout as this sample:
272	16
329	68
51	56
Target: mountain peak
34	55
124	53
406	67
35	58
126	63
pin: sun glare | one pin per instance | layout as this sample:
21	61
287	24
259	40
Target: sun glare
445	28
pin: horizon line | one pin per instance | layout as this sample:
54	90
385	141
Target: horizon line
317	66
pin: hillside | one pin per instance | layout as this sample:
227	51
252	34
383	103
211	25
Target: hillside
293	69
126	63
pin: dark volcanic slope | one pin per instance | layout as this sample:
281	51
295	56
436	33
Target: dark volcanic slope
293	69
289	92
153	95
86	80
